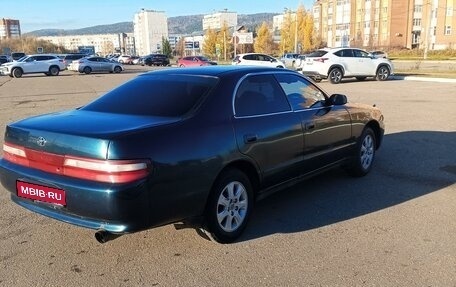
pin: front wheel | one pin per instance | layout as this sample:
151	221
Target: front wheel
229	206
335	75
117	69
17	72
382	73
364	155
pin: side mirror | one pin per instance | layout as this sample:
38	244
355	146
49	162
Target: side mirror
338	99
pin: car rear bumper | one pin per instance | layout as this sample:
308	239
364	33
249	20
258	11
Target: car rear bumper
313	74
114	208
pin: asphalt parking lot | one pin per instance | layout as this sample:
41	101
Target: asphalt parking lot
394	227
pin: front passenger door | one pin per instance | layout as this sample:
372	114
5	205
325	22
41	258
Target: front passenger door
327	128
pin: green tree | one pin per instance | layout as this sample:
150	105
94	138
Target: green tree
263	42
166	47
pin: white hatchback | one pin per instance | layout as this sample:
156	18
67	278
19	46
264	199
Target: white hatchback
256	59
335	64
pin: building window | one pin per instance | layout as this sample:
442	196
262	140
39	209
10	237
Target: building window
418	8
449	11
417	22
447	30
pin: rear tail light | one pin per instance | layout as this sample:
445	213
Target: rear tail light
322	60
112	171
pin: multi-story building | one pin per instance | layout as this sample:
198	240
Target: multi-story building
386	23
9	28
103	43
216	21
149	29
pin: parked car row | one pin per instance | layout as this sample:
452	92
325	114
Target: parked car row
332	64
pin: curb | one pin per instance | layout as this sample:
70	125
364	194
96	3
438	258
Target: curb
424	79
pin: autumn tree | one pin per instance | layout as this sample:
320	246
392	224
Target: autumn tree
224	41
29	45
297	31
210	43
180	47
305	30
287	32
264	42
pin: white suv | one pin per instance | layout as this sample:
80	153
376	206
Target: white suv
42	63
255	59
335	64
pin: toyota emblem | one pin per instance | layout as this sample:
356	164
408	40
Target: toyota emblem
41	141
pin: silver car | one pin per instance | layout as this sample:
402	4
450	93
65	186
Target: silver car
95	64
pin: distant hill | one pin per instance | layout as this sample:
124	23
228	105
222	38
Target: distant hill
176	25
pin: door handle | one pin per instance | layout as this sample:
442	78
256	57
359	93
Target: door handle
250	138
309	126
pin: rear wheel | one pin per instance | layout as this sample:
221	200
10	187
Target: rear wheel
17	72
87	70
365	154
54	71
229	206
335	75
383	73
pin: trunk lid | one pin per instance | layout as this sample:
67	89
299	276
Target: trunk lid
77	132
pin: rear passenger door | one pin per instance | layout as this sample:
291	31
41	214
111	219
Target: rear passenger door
267	131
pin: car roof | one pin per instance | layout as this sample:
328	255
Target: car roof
216	70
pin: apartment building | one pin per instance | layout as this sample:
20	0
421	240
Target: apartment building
9	28
216	21
374	24
150	27
102	43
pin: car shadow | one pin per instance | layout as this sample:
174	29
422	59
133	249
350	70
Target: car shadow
407	166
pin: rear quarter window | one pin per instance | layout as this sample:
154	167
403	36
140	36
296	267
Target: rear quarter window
318	53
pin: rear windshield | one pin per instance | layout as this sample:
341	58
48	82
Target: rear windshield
155	95
318	53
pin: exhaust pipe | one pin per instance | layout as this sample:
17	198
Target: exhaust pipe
103	236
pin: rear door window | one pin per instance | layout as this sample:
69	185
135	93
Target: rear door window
260	95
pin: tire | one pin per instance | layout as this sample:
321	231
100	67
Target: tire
383	72
364	155
17	72
181	65
54	71
87	70
229	206
335	75
316	80
280	66
361	78
117	69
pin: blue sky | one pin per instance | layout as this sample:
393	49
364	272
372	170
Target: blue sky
75	14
